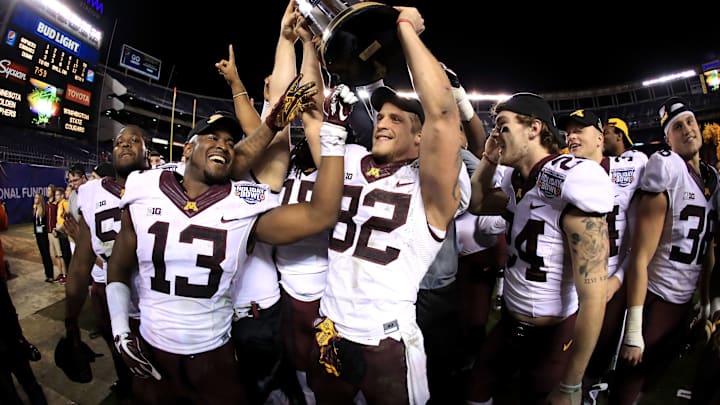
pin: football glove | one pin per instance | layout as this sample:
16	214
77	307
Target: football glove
128	345
333	132
295	100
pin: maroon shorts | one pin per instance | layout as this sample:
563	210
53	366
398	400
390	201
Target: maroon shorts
297	328
204	378
381	372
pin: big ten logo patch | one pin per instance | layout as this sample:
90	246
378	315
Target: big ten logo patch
154	211
550	182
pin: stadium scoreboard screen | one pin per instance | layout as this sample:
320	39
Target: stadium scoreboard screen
47	73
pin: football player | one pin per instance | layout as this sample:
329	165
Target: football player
672	246
394	219
99	223
189	236
555	280
586	139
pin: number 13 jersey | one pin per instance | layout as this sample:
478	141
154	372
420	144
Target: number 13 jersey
188	251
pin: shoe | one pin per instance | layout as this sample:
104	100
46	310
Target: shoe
49	280
61	279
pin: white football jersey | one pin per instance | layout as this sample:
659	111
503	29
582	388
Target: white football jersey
380	248
99	203
675	267
257	279
188	252
625	172
538	278
478	233
303	265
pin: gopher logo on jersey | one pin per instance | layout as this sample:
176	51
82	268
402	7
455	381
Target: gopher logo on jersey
251	194
622	177
550	182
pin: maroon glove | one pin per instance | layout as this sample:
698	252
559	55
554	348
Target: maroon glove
338	105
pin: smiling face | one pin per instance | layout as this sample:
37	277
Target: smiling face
209	156
684	136
396	136
129	153
584	141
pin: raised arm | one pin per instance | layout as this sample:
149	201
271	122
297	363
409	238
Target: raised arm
292	222
441	138
244	109
312	119
485	199
472	125
296	99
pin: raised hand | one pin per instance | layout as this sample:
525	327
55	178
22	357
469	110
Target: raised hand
128	345
333	132
296	99
338	105
227	68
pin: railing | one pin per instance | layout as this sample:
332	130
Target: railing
6	155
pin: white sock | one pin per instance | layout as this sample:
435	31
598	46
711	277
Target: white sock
307	392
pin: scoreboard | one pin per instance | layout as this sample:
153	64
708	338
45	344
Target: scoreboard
47	73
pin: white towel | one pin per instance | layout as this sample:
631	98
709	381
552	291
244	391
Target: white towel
415	360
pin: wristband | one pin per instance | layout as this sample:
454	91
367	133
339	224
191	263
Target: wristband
464	106
485	155
118	300
569	388
238	94
633	327
332	140
405	20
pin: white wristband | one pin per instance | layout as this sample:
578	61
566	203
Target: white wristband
118	300
265	110
332	140
633	327
466	109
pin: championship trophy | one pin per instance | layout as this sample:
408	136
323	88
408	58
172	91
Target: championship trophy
359	38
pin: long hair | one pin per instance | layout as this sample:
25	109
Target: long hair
39	207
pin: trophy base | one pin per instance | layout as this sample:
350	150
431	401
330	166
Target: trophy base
361	43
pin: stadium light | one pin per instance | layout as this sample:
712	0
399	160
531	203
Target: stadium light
669	78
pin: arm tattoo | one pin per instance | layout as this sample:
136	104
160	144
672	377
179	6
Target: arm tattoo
590	248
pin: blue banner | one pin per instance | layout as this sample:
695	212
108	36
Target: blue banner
18	184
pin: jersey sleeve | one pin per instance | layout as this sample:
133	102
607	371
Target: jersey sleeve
657	176
589	188
84	198
464	184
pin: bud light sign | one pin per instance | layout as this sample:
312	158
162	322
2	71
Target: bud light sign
139	62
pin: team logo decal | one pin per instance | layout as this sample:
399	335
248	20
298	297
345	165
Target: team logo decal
622	177
550	182
190	206
251	194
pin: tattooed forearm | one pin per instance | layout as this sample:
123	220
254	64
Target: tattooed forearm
590	249
251	148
